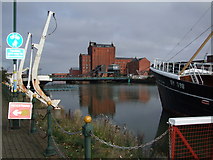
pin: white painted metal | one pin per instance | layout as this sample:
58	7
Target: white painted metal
20	81
39	47
45	78
30	70
167	74
190	120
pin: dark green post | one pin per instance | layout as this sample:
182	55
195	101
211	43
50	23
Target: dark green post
129	80
15	123
50	150
23	96
33	123
87	131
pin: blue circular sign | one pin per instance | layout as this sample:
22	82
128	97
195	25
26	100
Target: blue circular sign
14	40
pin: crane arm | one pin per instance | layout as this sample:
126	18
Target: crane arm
39	47
19	76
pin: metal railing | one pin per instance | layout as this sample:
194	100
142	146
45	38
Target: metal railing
175	67
191	137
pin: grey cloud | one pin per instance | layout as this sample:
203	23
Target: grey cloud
137	29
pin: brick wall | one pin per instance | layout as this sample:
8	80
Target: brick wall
101	54
138	66
84	63
74	72
122	62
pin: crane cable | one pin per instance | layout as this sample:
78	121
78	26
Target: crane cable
188	33
190	43
55	25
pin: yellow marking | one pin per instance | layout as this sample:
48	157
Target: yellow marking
25	112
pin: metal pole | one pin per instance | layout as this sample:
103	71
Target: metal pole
23	96
30	69
211	30
129	80
50	150
16	122
14	60
87	131
33	124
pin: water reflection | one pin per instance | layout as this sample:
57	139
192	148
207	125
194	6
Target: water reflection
98	99
135	106
102	99
161	147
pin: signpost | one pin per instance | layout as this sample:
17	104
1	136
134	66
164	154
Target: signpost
15	53
14	40
20	110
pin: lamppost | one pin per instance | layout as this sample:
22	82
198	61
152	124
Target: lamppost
15	122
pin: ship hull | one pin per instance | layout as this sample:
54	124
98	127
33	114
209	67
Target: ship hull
184	98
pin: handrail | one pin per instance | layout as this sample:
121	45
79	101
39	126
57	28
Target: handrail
198	74
175	67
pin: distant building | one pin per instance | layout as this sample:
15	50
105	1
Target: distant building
84	63
60	74
101	54
101	59
139	66
122	62
74	72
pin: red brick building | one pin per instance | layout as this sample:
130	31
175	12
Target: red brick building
139	66
101	54
122	62
84	63
60	74
74	71
104	55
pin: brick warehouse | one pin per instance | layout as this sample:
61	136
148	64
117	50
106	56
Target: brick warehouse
104	55
138	66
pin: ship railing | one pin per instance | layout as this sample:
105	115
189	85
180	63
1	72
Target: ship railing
205	68
172	67
176	67
196	77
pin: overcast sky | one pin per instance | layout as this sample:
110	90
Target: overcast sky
139	29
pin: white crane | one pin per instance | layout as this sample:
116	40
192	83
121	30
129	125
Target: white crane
21	86
39	47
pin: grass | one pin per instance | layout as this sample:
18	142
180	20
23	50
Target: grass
73	145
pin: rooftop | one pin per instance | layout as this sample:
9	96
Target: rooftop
123	58
94	44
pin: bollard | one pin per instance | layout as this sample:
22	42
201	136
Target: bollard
33	123
15	123
50	150
87	131
129	80
23	96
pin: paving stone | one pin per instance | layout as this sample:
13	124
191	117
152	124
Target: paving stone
20	143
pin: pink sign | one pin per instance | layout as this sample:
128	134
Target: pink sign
20	110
